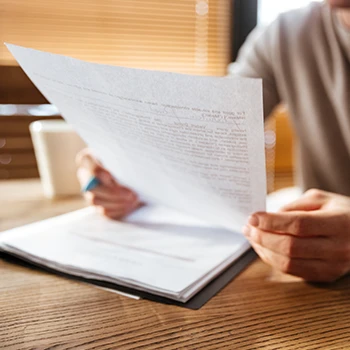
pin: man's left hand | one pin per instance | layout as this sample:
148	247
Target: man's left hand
309	238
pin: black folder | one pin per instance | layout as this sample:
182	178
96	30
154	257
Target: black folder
195	303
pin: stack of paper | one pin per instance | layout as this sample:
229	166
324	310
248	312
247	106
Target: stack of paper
193	144
174	261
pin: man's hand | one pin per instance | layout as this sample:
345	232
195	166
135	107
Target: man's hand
309	238
110	198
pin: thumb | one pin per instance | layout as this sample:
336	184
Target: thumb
89	166
310	200
85	159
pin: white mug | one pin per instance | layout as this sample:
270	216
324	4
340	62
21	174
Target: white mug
56	145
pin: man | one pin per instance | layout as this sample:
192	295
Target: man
304	61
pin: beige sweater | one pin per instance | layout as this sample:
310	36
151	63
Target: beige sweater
304	61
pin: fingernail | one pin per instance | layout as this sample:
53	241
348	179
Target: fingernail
246	230
253	220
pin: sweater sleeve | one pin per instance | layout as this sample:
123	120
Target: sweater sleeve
255	60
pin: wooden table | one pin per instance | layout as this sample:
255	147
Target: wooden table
260	309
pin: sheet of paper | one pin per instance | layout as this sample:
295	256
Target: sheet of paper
193	143
278	199
173	260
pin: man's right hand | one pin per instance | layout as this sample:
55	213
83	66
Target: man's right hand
110	198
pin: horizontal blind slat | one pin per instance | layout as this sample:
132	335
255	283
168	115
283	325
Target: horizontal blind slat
156	34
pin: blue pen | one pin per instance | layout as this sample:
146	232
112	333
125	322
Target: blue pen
92	183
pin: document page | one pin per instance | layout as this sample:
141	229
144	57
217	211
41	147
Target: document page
173	257
192	143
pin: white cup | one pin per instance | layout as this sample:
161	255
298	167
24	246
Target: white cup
56	145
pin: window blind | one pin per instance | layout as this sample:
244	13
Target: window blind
188	36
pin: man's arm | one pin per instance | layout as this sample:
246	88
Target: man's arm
310	237
255	60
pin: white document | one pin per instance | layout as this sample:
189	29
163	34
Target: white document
157	256
192	143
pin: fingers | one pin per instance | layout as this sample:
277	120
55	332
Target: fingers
110	203
310	270
114	204
312	258
89	166
86	160
301	223
116	194
114	210
293	223
291	246
309	238
303	203
114	213
339	3
311	200
110	198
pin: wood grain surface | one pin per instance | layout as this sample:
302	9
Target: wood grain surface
261	309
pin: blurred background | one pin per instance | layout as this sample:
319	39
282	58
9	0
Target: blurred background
188	36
